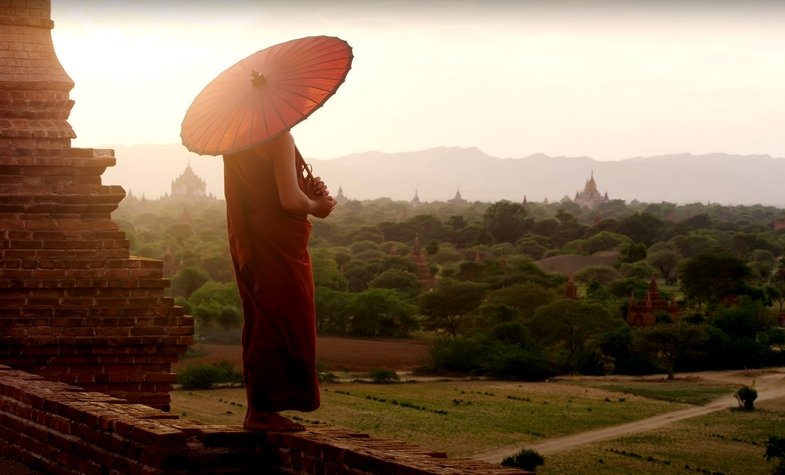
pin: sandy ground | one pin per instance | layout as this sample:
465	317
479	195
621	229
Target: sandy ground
770	384
332	353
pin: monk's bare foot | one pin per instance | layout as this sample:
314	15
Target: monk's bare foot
270	422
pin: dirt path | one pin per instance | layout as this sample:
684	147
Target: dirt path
769	383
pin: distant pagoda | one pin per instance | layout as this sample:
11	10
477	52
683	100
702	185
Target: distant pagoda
189	185
590	197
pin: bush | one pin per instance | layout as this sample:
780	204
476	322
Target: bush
383	376
526	459
775	449
746	397
514	362
463	354
204	376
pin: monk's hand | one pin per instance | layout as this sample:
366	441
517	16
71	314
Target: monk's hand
324	206
316	187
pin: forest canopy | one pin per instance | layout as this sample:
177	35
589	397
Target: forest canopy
489	283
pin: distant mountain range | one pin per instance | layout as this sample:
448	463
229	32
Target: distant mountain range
437	174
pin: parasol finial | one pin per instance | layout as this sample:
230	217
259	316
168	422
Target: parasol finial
257	78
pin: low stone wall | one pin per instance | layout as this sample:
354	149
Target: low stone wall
65	430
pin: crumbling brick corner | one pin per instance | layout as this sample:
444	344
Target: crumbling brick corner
74	305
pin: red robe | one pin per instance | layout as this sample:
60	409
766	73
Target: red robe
273	271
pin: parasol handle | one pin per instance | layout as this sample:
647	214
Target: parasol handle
306	167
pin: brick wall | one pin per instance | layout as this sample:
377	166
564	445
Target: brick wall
60	429
74	305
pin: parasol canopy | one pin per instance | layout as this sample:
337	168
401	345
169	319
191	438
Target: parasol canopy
265	94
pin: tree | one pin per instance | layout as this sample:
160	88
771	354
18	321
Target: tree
637	270
599	274
665	258
187	281
381	312
457	221
763	264
332	310
447	305
695	243
712	277
641	228
670	343
777	286
530	246
505	220
623	288
217	302
217	292
526	297
325	270
572	324
405	283
432	247
427	227
698	221
360	273
546	227
749	331
605	241
776	291
633	252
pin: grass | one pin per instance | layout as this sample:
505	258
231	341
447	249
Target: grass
459	418
725	442
686	391
213	406
470	417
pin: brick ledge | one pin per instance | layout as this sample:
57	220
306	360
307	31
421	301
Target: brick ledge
63	429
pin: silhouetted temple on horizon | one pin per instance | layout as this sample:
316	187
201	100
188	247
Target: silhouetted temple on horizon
590	197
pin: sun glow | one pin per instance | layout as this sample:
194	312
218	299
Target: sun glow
584	78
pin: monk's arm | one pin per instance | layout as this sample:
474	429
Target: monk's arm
293	200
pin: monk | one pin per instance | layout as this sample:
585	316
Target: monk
267	203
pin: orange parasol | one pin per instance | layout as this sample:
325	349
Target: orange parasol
265	94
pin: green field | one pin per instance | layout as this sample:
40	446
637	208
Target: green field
459	418
725	442
465	418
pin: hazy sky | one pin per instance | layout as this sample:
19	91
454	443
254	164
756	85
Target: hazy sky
607	79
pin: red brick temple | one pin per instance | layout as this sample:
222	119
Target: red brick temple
74	306
643	313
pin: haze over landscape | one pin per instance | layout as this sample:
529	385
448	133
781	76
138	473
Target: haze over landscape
629	330
436	174
602	79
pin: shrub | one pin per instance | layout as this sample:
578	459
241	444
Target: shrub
462	354
514	362
203	376
775	449
383	376
526	459
746	397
